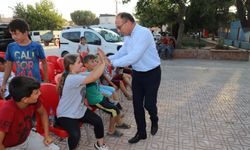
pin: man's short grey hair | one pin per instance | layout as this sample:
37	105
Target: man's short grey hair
126	16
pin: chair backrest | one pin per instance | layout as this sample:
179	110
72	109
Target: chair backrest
49	98
53	60
60	62
51	71
2	54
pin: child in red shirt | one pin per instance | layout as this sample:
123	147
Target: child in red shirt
16	117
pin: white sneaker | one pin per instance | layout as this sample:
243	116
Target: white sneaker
103	147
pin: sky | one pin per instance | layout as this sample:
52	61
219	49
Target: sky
65	7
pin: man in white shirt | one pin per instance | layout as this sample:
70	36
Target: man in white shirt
139	50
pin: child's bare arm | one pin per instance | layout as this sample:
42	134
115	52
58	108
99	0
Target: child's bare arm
110	82
45	122
97	72
7	72
2	135
45	69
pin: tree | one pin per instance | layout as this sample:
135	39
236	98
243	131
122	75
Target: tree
208	14
159	12
41	17
80	17
154	13
181	7
243	11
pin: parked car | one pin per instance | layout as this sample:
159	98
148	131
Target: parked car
35	36
5	37
45	36
107	40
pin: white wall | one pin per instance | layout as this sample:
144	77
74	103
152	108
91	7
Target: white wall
107	19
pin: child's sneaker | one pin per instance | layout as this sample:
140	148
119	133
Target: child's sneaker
103	147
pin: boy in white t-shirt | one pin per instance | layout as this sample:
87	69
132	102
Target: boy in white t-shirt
6	94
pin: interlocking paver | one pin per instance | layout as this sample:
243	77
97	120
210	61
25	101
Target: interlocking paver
202	104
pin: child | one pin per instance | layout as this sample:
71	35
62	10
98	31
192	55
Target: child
96	98
170	48
118	81
16	116
71	109
5	95
24	53
83	47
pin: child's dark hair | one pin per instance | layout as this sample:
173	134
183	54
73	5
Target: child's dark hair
22	86
87	58
18	24
69	59
2	60
82	38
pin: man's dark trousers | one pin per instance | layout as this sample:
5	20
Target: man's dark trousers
145	87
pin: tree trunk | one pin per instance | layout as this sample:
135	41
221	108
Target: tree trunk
248	15
180	20
180	35
241	13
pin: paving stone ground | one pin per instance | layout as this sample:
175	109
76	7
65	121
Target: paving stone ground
202	105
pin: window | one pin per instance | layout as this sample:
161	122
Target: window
36	33
109	35
5	37
92	38
72	36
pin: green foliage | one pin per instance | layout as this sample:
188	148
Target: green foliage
80	17
243	13
155	12
220	44
160	12
210	15
192	42
41	17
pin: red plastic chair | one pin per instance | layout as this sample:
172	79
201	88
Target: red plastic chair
53	60
2	54
49	99
60	62
51	72
14	68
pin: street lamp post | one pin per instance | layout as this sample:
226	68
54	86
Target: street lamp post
116	7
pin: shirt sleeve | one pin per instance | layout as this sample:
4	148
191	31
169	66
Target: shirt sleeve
121	52
138	48
75	80
6	119
41	53
8	53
